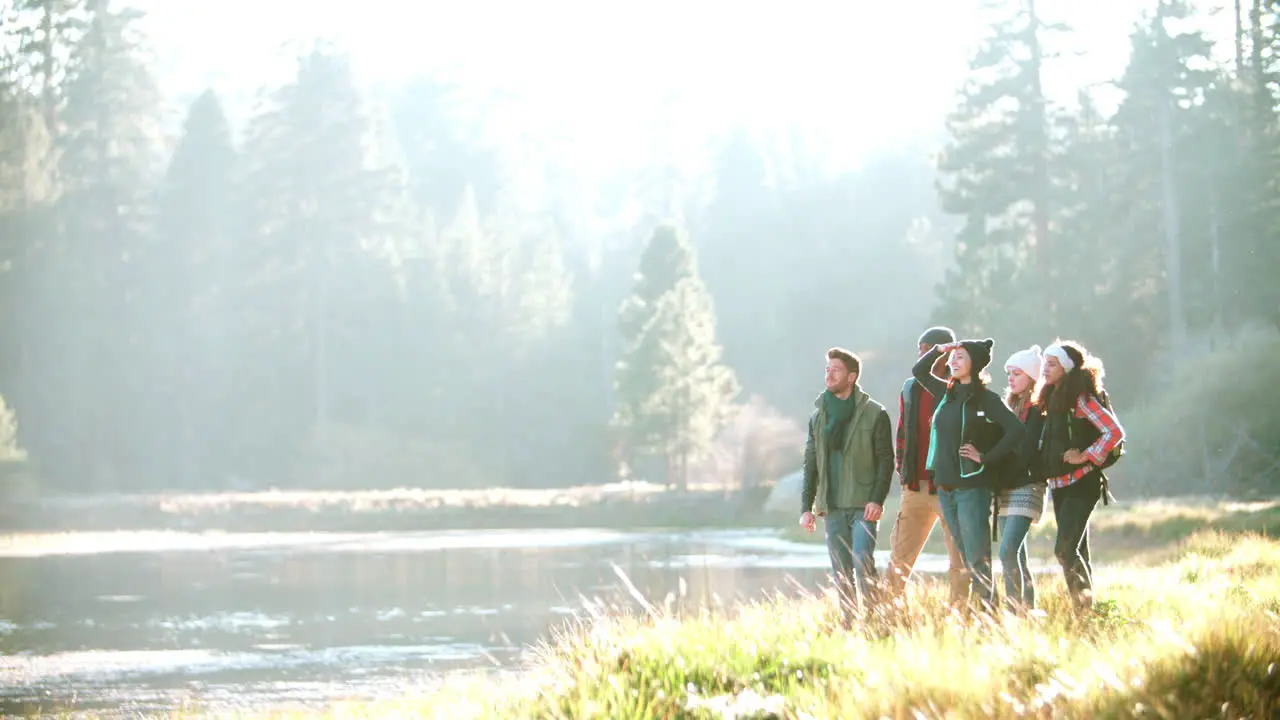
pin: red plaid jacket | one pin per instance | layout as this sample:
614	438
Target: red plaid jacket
1089	408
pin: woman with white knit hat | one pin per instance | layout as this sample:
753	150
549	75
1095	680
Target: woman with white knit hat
1020	504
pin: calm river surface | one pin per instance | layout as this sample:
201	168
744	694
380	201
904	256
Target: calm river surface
146	622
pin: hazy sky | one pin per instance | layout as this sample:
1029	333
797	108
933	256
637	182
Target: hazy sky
859	72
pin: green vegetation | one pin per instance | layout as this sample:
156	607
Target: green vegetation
674	393
1189	628
15	474
1196	636
1177	447
1096	225
342	281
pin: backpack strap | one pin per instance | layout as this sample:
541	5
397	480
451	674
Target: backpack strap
1107	497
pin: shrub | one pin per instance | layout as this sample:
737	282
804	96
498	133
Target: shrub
754	448
1211	427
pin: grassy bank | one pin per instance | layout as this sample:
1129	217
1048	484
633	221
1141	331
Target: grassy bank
1123	531
1196	636
618	505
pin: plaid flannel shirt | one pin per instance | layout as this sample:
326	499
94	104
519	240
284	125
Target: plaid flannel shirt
1090	408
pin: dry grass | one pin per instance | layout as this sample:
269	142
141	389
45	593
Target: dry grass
1195	637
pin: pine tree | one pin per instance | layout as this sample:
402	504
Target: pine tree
192	279
667	259
1164	170
10	450
314	205
1252	211
28	191
93	351
695	390
673	391
505	295
1091	254
46	32
998	178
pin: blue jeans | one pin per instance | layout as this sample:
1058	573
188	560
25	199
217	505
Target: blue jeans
1019	586
851	541
967	512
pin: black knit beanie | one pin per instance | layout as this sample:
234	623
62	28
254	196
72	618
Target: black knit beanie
979	353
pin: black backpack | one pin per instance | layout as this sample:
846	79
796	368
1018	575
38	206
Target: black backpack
1117	452
1113	457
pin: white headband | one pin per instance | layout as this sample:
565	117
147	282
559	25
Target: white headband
1057	351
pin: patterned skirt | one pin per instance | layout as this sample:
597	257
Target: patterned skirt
1027	501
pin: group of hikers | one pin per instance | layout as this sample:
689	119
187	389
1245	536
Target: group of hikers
980	462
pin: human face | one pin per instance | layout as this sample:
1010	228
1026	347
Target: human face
1019	382
1053	370
960	364
924	349
839	379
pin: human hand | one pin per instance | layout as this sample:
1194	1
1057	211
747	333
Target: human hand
872	512
969	452
808	521
1075	457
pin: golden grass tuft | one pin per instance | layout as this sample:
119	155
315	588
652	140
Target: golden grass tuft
1198	636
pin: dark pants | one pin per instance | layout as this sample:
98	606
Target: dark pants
1073	505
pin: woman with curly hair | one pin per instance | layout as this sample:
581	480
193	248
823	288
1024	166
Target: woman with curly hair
1080	433
1020	502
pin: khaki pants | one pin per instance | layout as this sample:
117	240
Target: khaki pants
916	517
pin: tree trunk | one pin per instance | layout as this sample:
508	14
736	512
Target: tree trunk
47	91
321	325
1172	231
1257	78
1239	40
1040	182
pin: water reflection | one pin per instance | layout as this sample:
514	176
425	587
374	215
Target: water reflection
124	623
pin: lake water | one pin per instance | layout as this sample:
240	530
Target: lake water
148	622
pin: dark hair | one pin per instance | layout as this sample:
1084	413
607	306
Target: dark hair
1083	379
851	361
937	335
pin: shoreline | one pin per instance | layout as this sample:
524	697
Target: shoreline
1123	530
618	506
1172	571
1184	637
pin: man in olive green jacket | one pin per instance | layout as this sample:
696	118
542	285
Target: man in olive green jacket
848	468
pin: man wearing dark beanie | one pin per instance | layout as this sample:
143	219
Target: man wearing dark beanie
919	511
